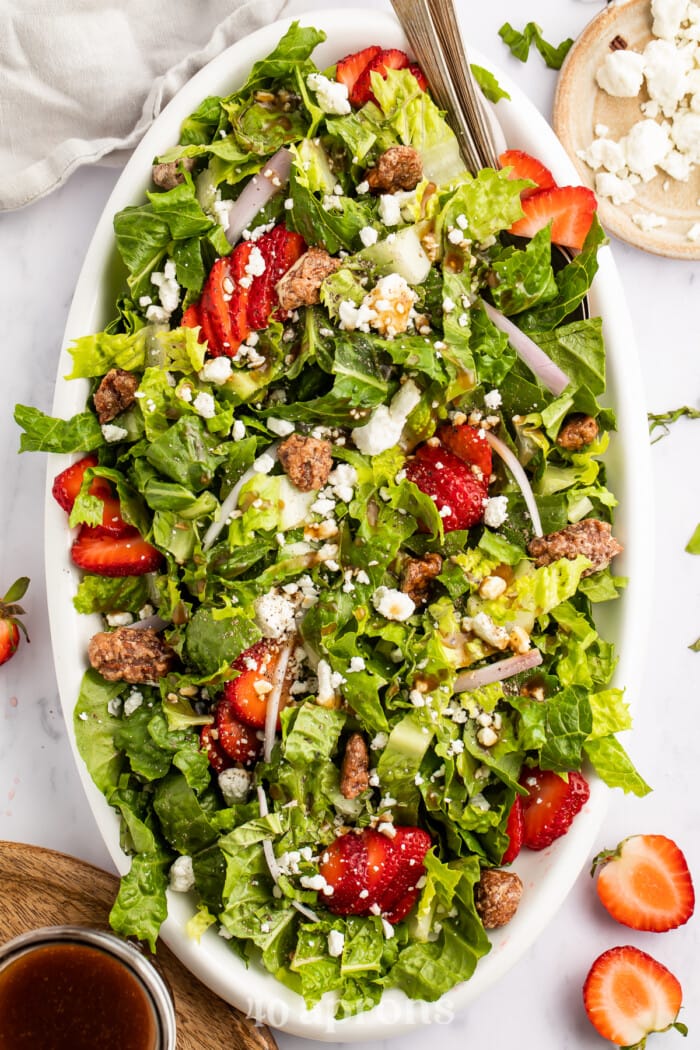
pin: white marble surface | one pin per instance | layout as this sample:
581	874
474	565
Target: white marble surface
539	1003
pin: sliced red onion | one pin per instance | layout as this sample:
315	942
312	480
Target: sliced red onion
515	467
267	843
549	374
498	671
273	700
231	502
273	176
308	912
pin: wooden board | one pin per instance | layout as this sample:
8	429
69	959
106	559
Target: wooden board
39	887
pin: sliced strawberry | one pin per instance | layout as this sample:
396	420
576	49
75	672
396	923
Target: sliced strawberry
515	830
68	483
409	846
628	994
383	61
469	445
105	555
382	866
645	883
280	249
344	867
239	742
216	297
419	75
401	908
570	209
349	68
523	166
248	693
192	318
550	805
209	743
457	493
238	304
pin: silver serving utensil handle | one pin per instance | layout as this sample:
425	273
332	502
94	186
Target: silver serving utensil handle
433	33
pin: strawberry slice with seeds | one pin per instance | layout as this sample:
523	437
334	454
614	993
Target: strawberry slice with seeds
192	318
127	555
469	445
67	485
459	496
344	867
215	315
238	741
238	303
349	68
381	63
409	847
419	75
523	166
570	209
645	883
248	693
209	744
628	994
515	830
550	805
280	248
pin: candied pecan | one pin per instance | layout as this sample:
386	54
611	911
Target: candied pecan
577	431
354	772
618	43
131	654
590	537
497	896
301	285
169	175
115	394
307	461
416	577
400	168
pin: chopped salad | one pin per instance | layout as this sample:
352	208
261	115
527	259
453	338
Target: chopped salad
342	507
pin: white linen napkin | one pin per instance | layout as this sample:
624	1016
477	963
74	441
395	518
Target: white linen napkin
80	79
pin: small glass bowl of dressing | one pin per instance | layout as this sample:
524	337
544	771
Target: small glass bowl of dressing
76	988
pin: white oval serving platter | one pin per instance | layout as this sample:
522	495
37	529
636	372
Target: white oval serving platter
548	875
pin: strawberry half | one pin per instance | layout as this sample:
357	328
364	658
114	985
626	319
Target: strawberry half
628	994
419	75
515	830
67	485
469	445
349	68
192	318
248	693
209	744
238	741
523	166
645	883
10	622
381	63
280	249
105	555
550	805
370	870
570	209
459	496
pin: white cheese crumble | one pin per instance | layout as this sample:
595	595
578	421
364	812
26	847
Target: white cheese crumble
216	370
495	511
357	664
393	604
132	703
389	209
281	427
368	236
384	427
621	74
205	405
111	432
331	95
238	430
274	614
493	400
119	619
336	943
234	785
181	875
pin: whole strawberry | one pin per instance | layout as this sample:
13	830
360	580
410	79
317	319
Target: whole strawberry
10	625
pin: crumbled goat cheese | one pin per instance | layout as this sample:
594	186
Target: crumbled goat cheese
336	943
331	95
119	619
393	604
281	427
234	785
238	429
368	236
205	405
357	664
111	432
389	209
342	482
316	882
132	703
622	73
383	429
168	288
620	191
181	875
216	370
495	511
493	400
274	614
647	220
264	463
